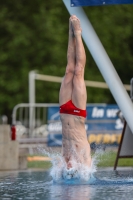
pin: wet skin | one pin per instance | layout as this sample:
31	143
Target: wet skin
74	143
74	140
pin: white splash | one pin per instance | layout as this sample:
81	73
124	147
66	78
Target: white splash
78	171
59	169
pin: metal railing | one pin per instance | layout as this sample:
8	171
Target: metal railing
31	119
3	119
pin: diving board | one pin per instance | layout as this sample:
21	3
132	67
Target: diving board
99	2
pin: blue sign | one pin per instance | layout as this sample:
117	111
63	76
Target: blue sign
102	124
53	113
98	2
103	119
54	140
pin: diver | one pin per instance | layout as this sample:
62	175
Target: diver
72	100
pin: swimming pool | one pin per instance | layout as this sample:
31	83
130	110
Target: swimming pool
109	185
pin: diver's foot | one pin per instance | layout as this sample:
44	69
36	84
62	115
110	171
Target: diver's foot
71	33
75	25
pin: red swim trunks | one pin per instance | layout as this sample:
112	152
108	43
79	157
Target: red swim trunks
70	108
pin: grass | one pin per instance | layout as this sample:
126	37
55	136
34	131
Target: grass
106	159
39	164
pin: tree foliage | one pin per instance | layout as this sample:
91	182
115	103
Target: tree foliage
34	36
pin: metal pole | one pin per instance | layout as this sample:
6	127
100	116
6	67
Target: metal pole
32	75
58	79
104	64
131	89
31	101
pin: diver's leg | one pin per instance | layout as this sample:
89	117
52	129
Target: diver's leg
67	83
79	96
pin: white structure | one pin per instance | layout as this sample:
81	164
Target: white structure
28	125
104	64
33	76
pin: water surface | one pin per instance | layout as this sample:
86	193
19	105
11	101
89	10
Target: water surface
105	185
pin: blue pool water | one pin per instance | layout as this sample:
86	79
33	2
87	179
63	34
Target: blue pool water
104	185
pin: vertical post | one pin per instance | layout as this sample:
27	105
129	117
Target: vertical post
131	89
104	64
31	101
32	87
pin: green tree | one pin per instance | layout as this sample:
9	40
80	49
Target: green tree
34	36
